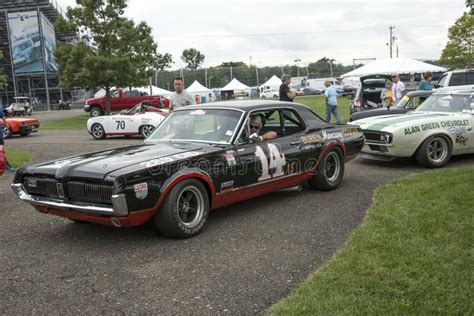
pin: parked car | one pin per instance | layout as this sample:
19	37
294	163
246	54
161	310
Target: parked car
269	94
367	96
19	126
311	91
409	102
21	106
140	120
460	77
122	99
439	128
199	158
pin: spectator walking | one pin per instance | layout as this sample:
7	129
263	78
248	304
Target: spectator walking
331	102
285	93
398	88
180	97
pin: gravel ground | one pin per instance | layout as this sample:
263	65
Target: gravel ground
248	256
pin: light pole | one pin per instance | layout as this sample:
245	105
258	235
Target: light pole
297	60
209	84
330	66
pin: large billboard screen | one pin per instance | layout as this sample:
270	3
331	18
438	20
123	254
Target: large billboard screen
25	42
49	44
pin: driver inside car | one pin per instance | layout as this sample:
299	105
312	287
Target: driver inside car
256	124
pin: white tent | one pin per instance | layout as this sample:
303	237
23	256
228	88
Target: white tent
196	87
235	85
399	65
273	83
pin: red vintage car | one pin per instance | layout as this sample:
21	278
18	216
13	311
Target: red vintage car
19	125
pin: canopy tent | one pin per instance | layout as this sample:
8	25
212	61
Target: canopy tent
273	83
235	85
197	87
399	65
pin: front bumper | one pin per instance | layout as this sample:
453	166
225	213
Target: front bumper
119	203
29	128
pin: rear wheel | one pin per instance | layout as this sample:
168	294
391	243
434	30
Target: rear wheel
184	211
330	171
98	131
146	130
435	152
7	133
96	111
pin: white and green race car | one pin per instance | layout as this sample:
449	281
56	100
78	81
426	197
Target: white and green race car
442	126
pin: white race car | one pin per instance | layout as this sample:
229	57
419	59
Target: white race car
442	126
140	120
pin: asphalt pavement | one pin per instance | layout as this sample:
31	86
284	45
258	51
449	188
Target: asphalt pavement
249	255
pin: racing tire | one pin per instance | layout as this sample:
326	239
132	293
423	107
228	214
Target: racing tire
434	152
96	111
7	133
146	130
97	131
330	171
184	211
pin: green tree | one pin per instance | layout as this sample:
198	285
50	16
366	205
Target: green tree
114	51
459	51
3	78
234	64
163	61
192	58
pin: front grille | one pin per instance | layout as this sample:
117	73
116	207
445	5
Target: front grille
376	137
76	191
92	193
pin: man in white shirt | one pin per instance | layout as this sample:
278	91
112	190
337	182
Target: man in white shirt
398	88
180	97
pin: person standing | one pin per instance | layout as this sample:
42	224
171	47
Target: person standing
331	102
285	93
398	88
425	84
8	167
180	97
386	95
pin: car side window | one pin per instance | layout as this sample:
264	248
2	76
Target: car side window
470	78
442	80
458	79
115	94
292	124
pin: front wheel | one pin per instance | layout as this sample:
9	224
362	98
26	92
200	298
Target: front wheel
146	130
184	211
7	133
98	131
95	111
434	152
330	171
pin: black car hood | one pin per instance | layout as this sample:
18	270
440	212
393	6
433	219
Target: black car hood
98	165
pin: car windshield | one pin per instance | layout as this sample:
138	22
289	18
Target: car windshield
202	125
403	102
447	102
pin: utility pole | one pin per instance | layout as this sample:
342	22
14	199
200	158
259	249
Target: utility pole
392	38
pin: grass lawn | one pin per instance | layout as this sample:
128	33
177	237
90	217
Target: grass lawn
17	157
413	255
318	104
72	123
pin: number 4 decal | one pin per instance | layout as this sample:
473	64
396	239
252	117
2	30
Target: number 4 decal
277	162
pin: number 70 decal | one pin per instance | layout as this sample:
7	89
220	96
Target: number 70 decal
276	165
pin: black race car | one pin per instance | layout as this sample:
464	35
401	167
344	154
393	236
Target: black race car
199	158
409	102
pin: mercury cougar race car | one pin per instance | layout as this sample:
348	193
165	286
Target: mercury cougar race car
199	158
442	126
142	120
17	125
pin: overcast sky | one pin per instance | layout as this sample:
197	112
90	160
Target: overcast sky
277	32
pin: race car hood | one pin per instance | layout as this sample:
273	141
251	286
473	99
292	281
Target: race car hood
98	165
392	122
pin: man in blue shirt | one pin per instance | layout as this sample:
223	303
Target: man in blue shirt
331	102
